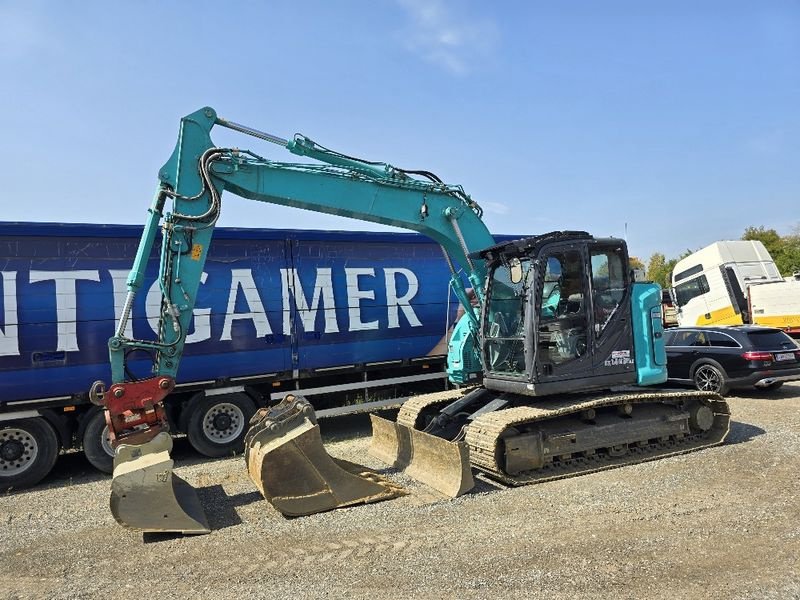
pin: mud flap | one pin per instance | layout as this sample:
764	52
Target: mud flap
434	461
147	496
288	463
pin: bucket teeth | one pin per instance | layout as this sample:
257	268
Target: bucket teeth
147	496
435	461
290	466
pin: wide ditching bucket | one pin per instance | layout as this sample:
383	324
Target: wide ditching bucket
147	496
434	461
290	466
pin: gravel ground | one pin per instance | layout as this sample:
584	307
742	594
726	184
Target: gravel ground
723	522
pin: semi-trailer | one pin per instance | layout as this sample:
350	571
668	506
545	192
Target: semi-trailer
358	318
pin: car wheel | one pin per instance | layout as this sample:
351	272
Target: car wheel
97	444
710	378
218	424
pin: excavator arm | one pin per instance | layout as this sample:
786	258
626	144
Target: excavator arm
194	179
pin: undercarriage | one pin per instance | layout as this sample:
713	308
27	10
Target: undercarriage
519	440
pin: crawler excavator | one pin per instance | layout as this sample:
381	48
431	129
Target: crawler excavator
549	357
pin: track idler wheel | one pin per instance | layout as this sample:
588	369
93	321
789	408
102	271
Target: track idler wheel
147	496
288	463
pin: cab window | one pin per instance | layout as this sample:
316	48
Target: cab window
504	328
608	285
691	289
563	324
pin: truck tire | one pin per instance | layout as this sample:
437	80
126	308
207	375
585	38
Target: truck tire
218	424
96	444
28	451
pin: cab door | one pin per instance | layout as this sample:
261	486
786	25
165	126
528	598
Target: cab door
611	327
563	335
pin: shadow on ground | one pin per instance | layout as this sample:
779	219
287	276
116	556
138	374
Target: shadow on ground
743	432
785	392
220	509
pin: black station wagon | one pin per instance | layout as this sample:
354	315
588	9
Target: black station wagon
717	359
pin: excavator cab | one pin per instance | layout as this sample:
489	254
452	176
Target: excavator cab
557	307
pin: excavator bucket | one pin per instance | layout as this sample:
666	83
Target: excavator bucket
435	461
290	466
147	496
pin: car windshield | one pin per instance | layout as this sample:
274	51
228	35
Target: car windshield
771	339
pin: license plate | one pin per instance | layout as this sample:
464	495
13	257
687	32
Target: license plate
784	356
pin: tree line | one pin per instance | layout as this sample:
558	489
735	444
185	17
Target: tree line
784	249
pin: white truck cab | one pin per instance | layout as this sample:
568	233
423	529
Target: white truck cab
735	282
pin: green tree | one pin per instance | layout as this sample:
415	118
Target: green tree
659	269
635	263
791	252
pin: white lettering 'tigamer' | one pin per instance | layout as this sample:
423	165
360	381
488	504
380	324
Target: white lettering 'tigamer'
354	297
66	305
243	279
323	291
9	334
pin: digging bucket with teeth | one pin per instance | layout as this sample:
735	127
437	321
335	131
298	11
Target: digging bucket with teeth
288	463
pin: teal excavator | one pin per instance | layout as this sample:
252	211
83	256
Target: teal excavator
549	358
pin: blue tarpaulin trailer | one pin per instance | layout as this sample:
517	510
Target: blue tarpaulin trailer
343	316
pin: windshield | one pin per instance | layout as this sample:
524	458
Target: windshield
504	327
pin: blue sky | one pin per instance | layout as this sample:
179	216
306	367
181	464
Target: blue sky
679	118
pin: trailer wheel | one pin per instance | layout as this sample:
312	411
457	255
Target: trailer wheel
28	451
97	444
218	424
